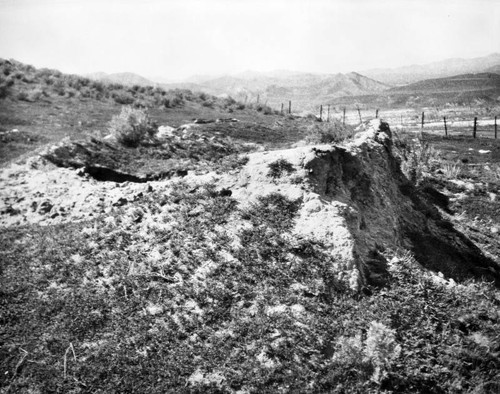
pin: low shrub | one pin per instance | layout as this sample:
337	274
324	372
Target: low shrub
4	91
132	127
177	101
280	167
417	157
231	163
328	132
264	108
123	98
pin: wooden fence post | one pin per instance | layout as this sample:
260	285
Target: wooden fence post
495	127
445	128
281	109
475	128
359	113
321	113
343	119
376	114
328	116
290	107
422	126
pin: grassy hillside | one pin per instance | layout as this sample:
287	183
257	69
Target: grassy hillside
455	84
466	89
45	105
442	69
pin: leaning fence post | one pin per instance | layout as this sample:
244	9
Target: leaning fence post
422	126
445	128
359	113
475	128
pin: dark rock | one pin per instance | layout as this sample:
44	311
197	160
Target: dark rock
45	207
10	210
203	121
225	192
120	202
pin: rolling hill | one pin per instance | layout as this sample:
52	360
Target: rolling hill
306	90
461	89
455	84
125	78
445	68
493	69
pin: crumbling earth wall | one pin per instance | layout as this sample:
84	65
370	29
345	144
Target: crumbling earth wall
355	201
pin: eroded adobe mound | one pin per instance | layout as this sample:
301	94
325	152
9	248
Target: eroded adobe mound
357	201
353	200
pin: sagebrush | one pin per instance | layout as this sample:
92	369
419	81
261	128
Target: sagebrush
132	127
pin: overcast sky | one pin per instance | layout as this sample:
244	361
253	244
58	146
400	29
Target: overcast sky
175	39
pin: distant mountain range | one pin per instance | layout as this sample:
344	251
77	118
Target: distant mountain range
445	68
459	89
307	91
125	78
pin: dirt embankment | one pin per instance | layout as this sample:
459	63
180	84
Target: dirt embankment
355	202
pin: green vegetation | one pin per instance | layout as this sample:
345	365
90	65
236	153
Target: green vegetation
132	127
158	297
417	156
280	167
328	132
50	105
264	108
27	83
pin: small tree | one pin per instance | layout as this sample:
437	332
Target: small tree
132	127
